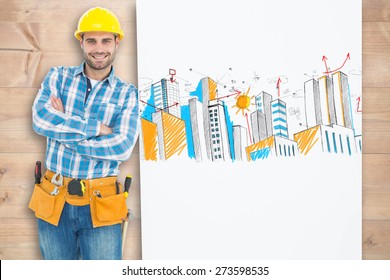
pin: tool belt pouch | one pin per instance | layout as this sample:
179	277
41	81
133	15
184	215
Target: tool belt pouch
108	210
46	206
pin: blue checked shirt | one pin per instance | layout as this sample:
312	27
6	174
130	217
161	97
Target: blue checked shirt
74	148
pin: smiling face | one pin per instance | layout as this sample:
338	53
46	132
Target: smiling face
99	50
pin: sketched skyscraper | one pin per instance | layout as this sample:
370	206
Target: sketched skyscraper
171	135
167	97
279	118
312	103
332	131
259	126
197	127
263	104
209	92
240	142
220	148
342	99
328	114
261	119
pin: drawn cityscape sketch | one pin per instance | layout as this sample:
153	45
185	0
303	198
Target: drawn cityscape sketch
202	128
251	129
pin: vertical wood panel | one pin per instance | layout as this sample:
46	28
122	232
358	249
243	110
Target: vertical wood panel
376	129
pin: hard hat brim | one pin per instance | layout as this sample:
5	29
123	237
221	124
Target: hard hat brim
78	34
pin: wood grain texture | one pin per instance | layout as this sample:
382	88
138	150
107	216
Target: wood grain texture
376	130
60	12
30	68
37	35
376	10
19	239
376	55
47	37
376	120
376	236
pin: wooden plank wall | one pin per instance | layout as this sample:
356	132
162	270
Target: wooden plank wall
376	129
36	35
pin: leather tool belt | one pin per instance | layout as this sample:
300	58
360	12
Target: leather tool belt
104	195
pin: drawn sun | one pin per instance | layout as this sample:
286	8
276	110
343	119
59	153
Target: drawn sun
243	101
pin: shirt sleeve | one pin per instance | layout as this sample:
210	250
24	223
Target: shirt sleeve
57	125
119	144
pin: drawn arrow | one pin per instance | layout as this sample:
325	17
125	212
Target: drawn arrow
237	92
324	59
174	104
249	129
358	105
278	86
331	71
150	104
160	109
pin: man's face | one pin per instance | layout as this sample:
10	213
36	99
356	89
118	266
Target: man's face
99	49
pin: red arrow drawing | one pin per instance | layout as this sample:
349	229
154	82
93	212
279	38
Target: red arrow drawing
150	104
174	104
233	94
249	129
358	105
160	109
324	59
331	71
278	86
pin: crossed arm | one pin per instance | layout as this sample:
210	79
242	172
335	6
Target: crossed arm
57	105
88	137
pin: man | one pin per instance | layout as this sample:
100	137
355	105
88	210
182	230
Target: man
90	118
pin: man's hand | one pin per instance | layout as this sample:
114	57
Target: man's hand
104	130
57	104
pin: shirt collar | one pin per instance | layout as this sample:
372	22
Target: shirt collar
80	71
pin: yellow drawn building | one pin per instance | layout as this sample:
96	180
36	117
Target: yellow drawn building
163	138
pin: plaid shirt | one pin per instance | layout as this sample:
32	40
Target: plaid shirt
74	148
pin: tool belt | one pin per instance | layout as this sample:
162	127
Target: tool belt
104	195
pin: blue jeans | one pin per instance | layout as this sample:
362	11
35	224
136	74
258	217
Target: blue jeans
75	237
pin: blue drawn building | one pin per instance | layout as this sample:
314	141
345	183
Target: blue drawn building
167	96
279	118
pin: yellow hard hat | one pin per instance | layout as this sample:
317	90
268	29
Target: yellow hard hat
98	19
